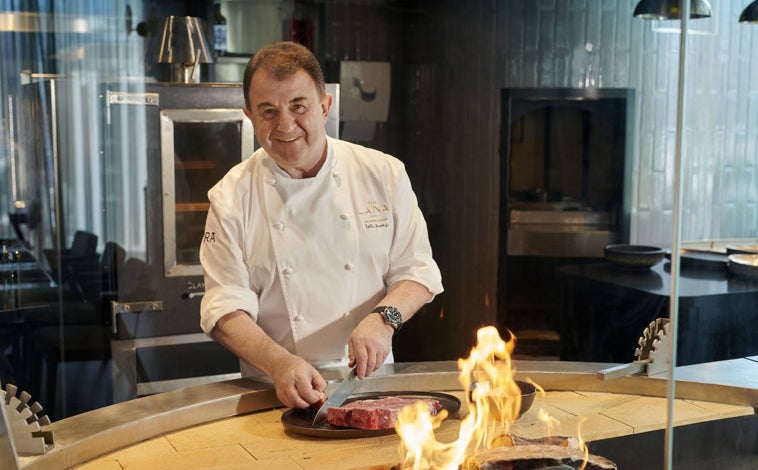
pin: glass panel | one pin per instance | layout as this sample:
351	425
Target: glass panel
58	189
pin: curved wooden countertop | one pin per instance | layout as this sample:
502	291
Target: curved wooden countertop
90	435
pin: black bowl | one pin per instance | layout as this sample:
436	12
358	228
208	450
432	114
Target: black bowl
528	392
634	256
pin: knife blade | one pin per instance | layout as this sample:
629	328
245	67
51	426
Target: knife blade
338	396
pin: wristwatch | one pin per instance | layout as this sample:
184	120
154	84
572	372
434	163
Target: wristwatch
391	316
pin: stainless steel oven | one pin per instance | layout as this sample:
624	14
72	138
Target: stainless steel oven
192	134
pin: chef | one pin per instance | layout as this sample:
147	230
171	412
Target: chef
315	251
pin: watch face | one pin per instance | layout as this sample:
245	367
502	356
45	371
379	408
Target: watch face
393	317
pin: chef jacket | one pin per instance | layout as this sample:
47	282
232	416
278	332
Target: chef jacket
309	258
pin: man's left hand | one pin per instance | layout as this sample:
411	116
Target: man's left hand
369	345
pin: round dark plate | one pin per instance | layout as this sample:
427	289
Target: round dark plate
528	392
301	421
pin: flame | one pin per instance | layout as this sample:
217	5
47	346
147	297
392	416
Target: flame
495	401
494	404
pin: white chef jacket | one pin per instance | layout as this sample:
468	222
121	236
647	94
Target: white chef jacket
309	258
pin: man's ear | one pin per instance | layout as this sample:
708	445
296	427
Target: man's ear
326	104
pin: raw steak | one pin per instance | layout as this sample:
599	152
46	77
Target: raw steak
375	414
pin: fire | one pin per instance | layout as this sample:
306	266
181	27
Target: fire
494	404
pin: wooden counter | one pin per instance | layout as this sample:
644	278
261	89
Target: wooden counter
236	424
258	440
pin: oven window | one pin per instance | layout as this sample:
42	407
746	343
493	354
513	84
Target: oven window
198	147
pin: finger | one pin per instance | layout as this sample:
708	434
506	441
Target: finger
379	361
290	398
361	363
318	382
305	394
350	353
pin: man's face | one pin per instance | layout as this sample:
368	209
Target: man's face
288	118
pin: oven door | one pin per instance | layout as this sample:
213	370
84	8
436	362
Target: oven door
198	146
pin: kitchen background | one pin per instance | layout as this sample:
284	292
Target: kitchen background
449	61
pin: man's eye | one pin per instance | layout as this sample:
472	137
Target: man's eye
268	114
299	108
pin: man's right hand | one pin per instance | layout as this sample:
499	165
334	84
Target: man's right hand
297	383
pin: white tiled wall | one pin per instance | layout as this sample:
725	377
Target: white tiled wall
557	43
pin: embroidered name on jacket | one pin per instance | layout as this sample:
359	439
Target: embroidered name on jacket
375	216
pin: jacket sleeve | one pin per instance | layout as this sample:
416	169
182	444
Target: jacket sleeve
410	253
227	283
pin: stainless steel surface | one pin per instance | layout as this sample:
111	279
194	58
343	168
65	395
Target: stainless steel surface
562	229
8	458
338	396
126	97
562	241
652	354
124	373
132	307
623	370
556	216
89	435
26	421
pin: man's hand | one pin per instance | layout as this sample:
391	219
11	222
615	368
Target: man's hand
298	384
369	345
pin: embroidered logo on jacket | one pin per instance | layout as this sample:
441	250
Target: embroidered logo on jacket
209	237
375	215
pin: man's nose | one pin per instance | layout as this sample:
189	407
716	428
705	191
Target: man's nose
286	121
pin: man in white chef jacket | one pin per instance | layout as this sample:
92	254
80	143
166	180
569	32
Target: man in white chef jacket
315	250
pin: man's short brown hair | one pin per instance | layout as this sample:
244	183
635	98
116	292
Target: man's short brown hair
282	59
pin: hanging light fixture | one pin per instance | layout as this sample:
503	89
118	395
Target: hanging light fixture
669	9
750	13
182	48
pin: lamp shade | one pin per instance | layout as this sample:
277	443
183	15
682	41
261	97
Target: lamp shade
183	42
669	9
180	49
750	13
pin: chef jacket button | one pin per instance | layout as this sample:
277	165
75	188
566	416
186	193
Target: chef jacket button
343	216
348	266
272	181
287	271
279	226
298	318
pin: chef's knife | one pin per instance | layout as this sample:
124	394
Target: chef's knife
338	396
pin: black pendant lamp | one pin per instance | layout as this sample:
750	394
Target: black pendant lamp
669	9
750	13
